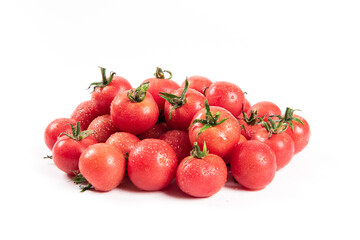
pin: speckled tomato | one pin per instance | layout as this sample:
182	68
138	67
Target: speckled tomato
265	109
152	164
105	91
103	128
253	164
103	166
54	129
123	141
161	84
198	83
179	141
84	113
201	175
156	131
226	95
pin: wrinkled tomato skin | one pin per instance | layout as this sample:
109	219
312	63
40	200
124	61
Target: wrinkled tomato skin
179	141
181	117
156	131
253	164
54	129
66	152
103	128
226	95
249	130
265	109
152	165
85	113
219	139
281	144
198	83
103	166
123	141
201	177
134	117
300	135
103	96
158	85
228	156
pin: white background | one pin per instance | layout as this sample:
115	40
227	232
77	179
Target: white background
302	54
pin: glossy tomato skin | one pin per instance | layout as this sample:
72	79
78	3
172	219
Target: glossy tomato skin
249	130
123	141
198	83
158	85
152	165
219	139
84	113
247	105
226	95
103	96
253	164
66	152
227	158
201	177
54	129
103	128
156	131
103	166
300	135
181	117
281	144
265	109
179	141
134	117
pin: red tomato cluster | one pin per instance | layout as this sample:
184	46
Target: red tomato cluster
159	132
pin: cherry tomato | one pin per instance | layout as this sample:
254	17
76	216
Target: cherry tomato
103	166
134	111
217	127
67	150
179	141
181	106
103	127
198	83
253	164
152	164
123	141
84	113
247	105
105	91
249	124
226	95
201	174
161	84
156	131
228	156
265	109
281	144
300	135
54	129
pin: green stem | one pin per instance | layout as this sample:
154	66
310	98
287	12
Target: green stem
139	94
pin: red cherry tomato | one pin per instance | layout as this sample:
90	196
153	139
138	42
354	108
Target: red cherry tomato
300	135
84	113
250	124
156	131
105	91
123	141
67	150
103	166
219	138
226	95
54	129
181	106
265	109
179	141
160	84
152	164
281	144
135	112
198	83
228	156
201	176
253	164
103	127
247	105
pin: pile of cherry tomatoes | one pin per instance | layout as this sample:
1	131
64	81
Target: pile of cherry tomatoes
159	131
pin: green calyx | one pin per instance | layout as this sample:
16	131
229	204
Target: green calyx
288	117
252	119
176	101
274	127
161	73
210	119
79	179
105	81
77	134
139	94
196	151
